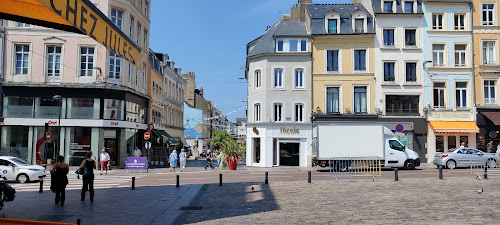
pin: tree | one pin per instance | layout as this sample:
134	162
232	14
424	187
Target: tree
219	138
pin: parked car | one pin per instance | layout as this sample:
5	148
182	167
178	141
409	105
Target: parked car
13	168
466	157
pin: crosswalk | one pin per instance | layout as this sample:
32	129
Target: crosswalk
100	182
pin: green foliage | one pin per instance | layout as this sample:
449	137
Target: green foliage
219	137
221	140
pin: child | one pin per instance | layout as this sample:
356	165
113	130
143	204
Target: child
209	163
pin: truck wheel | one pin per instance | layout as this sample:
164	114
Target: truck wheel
409	164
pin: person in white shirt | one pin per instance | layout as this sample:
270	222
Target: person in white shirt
104	160
137	152
182	158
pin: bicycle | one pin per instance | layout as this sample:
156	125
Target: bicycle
7	193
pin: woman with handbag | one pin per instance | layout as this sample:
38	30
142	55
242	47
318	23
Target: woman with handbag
88	165
59	179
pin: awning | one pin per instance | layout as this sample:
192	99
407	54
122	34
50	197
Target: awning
454	127
493	116
167	137
79	16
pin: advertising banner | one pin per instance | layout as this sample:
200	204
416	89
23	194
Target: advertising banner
193	122
136	163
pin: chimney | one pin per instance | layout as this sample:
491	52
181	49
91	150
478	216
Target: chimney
189	95
298	11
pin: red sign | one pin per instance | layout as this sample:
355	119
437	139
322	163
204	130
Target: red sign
151	126
146	136
54	122
48	136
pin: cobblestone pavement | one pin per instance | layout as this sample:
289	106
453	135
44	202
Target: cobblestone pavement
350	201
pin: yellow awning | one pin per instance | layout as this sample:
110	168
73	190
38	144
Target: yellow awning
79	16
454	127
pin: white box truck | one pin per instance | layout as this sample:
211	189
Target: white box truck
336	141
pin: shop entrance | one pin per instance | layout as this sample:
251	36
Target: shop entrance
289	153
111	145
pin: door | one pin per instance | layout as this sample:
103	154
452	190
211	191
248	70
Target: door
395	155
111	149
478	158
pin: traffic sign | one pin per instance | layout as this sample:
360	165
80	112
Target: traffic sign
147	145
147	135
48	136
151	126
400	128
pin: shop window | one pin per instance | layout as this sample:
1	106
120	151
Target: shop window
402	105
16	142
80	144
18	107
256	145
82	108
47	150
464	140
135	112
439	143
46	108
452	143
113	109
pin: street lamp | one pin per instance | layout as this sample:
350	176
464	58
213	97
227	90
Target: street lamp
59	99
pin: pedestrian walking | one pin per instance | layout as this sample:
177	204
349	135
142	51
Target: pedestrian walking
88	165
489	147
104	160
182	159
137	152
173	160
59	179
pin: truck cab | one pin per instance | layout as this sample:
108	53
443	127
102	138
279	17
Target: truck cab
398	155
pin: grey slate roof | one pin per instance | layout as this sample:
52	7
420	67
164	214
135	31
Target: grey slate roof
377	7
318	11
265	43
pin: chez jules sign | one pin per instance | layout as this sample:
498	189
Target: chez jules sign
451	116
285	130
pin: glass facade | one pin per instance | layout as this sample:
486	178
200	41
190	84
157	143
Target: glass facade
113	109
80	142
46	108
83	108
15	141
18	107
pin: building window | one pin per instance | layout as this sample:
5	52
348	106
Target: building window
332	100
256	109
303	45
146	9
139	28
461	94
459	21
409	7
488	12
389	37
144	76
22	58
439	95
359	25
137	77
278	78
117	17
439	143
87	61
402	105
387	6
460	55
489	92
438	55
299	110
410	38
257	79
140	4
411	72
145	37
332	26
489	53
360	100
278	110
129	77
131	28
359	60
18	107
115	64
54	60
299	78
332	60
389	72
20	24
437	21
280	45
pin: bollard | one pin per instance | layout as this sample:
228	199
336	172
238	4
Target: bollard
396	174
41	184
440	172
267	180
485	172
309	177
78	222
133	183
220	179
177	184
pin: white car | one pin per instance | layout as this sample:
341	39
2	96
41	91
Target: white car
13	168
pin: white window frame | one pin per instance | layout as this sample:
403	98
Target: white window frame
257	79
61	66
137	70
27	54
367	58
404	6
115	65
443	52
493	20
394	30
340	98
466	88
129	77
86	55
282	78
416	37
364	17
299	112
395	71
131	27
139	30
457	26
461	52
489	62
332	16
287	44
280	107
145	38
339	60
354	98
116	17
144	81
21	24
490	101
416	72
441	105
302	78
393	5
146	9
257	112
443	21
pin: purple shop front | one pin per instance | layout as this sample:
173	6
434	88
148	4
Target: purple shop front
136	163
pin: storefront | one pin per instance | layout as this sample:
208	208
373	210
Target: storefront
447	130
275	144
488	121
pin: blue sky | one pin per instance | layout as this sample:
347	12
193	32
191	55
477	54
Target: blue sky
209	38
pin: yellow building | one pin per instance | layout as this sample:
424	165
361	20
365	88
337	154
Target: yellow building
486	36
342	58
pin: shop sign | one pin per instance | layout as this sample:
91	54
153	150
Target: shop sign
52	122
77	146
284	130
450	116
136	163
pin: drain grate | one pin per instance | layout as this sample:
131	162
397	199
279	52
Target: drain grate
190	208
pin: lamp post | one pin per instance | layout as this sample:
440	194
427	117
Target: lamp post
59	99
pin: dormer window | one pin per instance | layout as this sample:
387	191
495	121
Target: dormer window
291	45
332	26
332	22
359	26
388	7
409	7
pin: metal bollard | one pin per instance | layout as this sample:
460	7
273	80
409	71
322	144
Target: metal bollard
396	174
133	183
41	184
309	177
267	180
78	222
440	172
220	179
177	184
485	172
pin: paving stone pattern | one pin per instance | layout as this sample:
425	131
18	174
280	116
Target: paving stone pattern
410	201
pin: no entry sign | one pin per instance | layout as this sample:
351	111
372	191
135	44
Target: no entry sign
48	136
147	135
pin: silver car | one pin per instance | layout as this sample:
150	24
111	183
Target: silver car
466	157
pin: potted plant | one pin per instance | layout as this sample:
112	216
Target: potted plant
232	152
